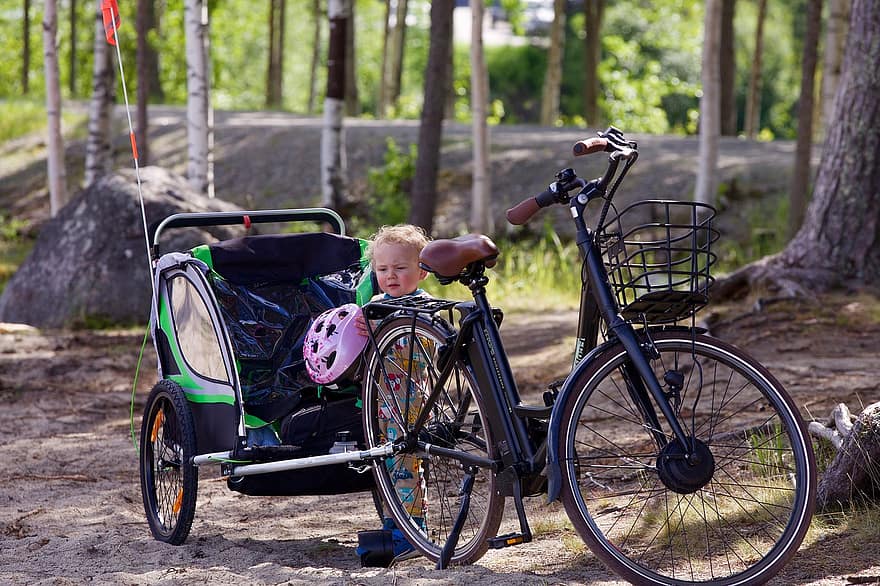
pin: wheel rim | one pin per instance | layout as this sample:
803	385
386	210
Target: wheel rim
455	421
165	458
743	521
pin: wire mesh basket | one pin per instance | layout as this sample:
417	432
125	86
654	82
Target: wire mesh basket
658	254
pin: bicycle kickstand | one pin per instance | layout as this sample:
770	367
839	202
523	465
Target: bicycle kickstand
467	485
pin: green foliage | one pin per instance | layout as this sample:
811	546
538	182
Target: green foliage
20	117
532	274
14	247
766	223
516	77
388	186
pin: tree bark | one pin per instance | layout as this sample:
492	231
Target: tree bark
99	145
728	68
333	163
837	243
593	12
198	112
316	52
854	473
480	220
437	83
397	45
710	106
800	179
143	81
275	74
26	49
71	77
835	40
553	76
55	144
352	97
753	102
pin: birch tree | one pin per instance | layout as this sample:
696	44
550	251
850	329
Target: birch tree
753	101
481	219
553	76
710	106
199	123
99	145
392	55
55	143
333	163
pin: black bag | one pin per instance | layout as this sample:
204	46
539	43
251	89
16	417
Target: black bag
314	428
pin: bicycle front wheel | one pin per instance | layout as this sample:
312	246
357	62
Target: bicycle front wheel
421	491
733	512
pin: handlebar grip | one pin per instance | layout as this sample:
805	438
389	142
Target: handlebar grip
589	146
524	210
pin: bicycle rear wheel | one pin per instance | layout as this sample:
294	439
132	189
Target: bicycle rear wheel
733	515
422	492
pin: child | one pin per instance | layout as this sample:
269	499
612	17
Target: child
394	257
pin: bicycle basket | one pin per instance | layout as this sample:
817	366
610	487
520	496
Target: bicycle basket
657	254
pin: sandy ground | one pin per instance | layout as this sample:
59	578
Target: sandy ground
71	507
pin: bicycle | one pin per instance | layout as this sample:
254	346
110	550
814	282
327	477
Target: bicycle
678	458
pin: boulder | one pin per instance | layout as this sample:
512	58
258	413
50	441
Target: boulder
89	264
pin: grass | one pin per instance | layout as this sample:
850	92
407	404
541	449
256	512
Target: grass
20	117
14	247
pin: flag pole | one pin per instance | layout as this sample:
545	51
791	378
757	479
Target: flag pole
112	21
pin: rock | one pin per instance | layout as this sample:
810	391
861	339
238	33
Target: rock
89	265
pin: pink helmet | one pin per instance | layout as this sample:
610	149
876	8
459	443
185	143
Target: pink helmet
333	343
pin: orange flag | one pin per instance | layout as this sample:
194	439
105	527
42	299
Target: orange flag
110	12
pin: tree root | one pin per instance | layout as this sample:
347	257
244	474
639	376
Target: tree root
854	473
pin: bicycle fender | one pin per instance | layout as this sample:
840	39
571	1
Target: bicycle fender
554	477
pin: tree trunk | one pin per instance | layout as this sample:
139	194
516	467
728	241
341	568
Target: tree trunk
593	11
352	98
26	48
384	75
275	74
553	77
143	81
728	69
316	52
55	143
437	83
835	40
480	220
71	78
198	115
710	106
753	102
397	44
99	145
837	243
333	163
800	179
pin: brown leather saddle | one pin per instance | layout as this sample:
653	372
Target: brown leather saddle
448	258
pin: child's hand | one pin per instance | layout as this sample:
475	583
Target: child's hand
361	325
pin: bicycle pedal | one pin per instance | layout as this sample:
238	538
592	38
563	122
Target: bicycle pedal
508	540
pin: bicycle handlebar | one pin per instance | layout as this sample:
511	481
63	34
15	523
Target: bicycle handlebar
612	140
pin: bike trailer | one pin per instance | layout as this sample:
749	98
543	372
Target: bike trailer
229	319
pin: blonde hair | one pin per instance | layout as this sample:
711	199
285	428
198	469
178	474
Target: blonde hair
407	235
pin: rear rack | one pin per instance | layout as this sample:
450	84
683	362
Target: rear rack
409	304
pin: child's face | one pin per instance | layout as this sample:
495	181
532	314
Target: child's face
397	269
